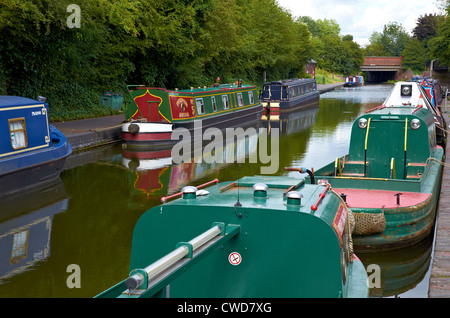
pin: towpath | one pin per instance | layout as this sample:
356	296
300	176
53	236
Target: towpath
439	286
92	132
323	88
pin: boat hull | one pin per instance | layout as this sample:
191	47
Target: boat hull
404	227
350	84
302	102
406	223
36	168
160	136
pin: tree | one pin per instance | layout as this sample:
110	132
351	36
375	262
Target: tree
394	39
375	46
333	52
426	27
439	45
414	56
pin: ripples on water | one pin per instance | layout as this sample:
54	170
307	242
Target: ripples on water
88	217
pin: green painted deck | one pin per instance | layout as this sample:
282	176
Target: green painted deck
440	272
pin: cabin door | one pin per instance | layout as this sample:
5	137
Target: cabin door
154	112
386	141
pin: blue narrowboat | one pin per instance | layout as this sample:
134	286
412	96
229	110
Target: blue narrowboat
32	152
354	81
289	95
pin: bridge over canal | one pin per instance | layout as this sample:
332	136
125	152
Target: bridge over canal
382	68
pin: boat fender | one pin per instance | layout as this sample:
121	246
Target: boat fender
133	128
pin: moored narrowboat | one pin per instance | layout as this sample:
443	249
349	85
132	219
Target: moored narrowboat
391	177
289	95
32	152
152	114
417	94
261	236
433	89
353	81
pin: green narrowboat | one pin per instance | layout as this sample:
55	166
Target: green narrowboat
152	114
391	176
260	236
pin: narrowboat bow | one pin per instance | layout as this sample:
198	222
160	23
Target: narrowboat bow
32	152
255	237
152	114
418	95
391	177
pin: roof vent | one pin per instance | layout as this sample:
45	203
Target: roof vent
294	198
189	192
260	190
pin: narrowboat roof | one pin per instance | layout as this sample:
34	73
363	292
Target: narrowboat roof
8	101
412	97
291	82
205	89
226	194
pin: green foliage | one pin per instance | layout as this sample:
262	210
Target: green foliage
426	27
390	42
375	46
333	52
440	45
394	39
414	56
166	43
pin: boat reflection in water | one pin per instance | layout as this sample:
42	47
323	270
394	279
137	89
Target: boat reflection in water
292	122
154	172
401	270
25	227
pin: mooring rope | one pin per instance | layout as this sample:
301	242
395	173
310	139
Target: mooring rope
438	161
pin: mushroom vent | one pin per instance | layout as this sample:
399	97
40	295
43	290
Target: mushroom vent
294	198
260	190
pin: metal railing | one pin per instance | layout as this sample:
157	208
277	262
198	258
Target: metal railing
148	280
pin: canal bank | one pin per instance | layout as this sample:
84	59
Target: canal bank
92	132
440	271
323	88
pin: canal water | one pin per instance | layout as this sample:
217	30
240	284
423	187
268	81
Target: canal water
84	222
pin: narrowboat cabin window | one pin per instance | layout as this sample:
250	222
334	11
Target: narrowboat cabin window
266	91
284	93
213	103
200	106
292	92
251	98
18	133
225	102
240	99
